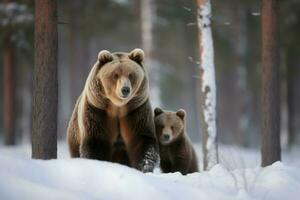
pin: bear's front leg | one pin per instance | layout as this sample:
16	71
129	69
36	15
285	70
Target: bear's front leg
141	140
143	153
95	148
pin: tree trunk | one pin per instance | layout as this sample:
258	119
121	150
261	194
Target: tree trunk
147	15
293	95
207	90
9	91
242	122
271	151
45	92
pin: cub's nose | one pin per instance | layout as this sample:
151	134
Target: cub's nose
166	137
125	91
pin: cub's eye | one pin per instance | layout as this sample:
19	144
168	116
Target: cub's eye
159	127
115	76
172	127
130	76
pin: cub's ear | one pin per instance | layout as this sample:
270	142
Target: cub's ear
158	111
137	55
181	113
104	56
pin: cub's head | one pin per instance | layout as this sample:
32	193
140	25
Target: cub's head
121	75
169	125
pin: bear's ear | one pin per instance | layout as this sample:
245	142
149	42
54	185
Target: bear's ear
158	111
104	56
137	55
181	113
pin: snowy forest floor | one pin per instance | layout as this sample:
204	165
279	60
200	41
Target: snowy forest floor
238	176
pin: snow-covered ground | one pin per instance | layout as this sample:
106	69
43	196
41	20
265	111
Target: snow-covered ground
237	177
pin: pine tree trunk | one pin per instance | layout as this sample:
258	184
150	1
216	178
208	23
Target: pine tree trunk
271	151
207	90
45	92
9	91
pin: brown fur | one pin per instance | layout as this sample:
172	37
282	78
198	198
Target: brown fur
105	126
176	153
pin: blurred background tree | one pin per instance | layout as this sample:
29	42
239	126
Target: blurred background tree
15	21
86	27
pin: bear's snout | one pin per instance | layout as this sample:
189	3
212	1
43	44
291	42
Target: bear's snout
166	137
125	91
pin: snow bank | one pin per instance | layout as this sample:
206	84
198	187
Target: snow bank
22	178
238	177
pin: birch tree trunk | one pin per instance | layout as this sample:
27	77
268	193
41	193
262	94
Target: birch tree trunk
45	92
270	151
207	93
147	18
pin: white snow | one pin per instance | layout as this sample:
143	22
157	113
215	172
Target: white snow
65	178
208	80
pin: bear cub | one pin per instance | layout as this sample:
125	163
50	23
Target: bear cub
176	150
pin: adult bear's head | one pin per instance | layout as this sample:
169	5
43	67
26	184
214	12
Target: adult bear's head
119	77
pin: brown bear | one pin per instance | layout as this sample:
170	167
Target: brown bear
112	119
176	150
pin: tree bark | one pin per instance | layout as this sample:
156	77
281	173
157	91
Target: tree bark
207	82
9	91
271	151
45	92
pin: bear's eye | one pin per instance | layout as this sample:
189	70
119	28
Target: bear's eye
130	76
160	127
172	127
115	77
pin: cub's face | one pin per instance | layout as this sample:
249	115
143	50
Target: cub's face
121	75
169	125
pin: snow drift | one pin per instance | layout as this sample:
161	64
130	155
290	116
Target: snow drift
22	178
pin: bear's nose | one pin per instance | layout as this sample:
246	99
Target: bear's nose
125	91
166	137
